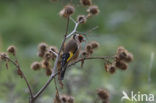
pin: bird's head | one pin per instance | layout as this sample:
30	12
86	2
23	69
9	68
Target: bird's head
79	38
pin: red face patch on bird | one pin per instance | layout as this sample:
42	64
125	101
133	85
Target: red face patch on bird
80	38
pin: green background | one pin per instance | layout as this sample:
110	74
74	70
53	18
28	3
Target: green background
130	23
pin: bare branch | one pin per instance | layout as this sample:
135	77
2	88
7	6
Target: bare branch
55	66
51	51
74	30
105	58
72	19
24	77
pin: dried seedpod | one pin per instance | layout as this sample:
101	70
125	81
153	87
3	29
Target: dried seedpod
67	11
11	50
81	19
121	65
64	98
86	2
36	65
57	98
48	72
88	47
129	58
84	53
47	56
94	44
111	68
70	99
42	48
45	64
103	94
93	10
3	56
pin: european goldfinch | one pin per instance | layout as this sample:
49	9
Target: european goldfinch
71	52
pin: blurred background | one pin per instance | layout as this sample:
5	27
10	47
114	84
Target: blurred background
130	23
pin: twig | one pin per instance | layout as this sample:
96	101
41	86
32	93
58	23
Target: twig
24	77
88	58
44	87
74	30
51	51
72	19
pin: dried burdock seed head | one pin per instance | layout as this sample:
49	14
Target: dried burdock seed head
124	55
45	64
84	53
112	69
57	98
67	11
81	19
36	65
47	56
64	98
121	65
53	48
103	94
42	46
41	54
86	2
88	47
94	44
129	58
93	10
3	56
48	72
70	99
11	50
91	52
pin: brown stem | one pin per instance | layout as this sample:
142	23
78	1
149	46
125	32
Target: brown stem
55	66
88	58
24	77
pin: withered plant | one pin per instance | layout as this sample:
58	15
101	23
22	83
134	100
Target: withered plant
51	56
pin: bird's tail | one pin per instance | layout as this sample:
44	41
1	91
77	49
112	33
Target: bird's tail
63	73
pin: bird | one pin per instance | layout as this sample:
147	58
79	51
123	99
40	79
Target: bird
71	52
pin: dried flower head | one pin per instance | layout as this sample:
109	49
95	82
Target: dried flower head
86	2
112	69
67	11
93	10
94	44
57	98
47	56
121	65
81	19
88	47
53	48
45	64
36	65
70	99
129	58
3	56
64	98
103	94
48	72
42	48
123	55
84	53
12	50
